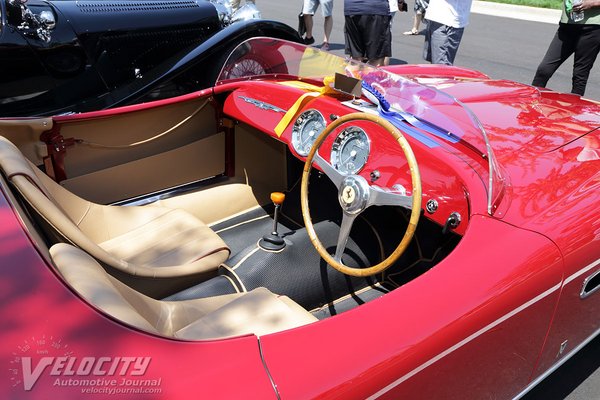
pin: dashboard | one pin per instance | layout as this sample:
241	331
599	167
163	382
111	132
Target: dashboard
357	147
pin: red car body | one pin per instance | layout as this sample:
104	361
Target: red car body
503	309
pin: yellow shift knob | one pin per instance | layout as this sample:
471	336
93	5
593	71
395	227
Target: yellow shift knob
277	198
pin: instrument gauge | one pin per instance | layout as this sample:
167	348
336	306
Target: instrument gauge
350	150
307	128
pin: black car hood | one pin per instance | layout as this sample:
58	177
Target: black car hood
124	39
88	17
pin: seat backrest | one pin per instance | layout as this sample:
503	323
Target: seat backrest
41	193
91	226
103	291
124	303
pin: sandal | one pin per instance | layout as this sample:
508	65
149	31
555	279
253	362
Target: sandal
411	32
325	46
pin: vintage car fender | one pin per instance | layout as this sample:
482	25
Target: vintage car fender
43	317
210	55
382	351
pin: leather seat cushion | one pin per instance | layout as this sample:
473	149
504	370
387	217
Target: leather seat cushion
173	238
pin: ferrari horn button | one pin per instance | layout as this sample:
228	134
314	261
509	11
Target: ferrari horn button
348	195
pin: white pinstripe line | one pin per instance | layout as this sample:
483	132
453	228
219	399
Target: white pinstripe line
581	272
465	341
483	330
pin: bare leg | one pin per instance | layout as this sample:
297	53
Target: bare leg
418	20
308	21
377	62
327	26
415	28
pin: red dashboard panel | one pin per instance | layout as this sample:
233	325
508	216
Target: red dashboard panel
264	109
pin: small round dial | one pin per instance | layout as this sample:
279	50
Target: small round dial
350	150
307	128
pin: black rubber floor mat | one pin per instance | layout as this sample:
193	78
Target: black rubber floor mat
299	272
246	230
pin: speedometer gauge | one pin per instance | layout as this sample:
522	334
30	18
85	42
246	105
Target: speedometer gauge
350	150
307	128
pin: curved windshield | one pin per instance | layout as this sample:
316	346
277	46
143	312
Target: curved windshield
443	114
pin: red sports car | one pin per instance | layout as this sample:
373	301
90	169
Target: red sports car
326	230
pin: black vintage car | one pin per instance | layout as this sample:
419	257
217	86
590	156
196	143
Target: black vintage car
62	56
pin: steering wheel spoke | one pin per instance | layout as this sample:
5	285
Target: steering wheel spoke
333	174
345	228
382	197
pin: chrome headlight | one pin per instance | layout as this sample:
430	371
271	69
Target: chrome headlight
47	19
245	13
224	10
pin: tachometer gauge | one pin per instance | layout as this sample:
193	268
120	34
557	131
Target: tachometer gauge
307	128
350	150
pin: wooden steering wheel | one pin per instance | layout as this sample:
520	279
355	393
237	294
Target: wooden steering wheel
355	194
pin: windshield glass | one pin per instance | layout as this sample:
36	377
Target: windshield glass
278	59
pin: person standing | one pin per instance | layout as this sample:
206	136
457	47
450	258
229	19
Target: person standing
394	7
446	21
367	30
581	38
309	9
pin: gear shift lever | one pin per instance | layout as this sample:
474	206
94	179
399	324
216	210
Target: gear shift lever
273	241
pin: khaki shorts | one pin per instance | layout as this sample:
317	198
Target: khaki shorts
310	7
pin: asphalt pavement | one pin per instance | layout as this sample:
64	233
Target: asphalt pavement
501	47
504	42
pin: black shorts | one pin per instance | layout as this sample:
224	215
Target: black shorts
368	36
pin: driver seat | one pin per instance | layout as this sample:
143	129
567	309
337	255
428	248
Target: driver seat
256	312
137	241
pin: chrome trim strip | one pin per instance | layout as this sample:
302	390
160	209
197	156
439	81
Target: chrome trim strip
492	325
558	364
465	341
266	367
583	294
167	193
262	105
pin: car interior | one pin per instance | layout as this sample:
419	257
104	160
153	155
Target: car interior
182	221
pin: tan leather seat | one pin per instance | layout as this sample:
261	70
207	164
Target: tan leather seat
259	312
142	241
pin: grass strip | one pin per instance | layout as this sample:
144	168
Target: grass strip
556	4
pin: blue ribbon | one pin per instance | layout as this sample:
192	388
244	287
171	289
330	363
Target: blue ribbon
407	122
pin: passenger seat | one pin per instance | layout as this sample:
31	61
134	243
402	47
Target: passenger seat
139	241
257	312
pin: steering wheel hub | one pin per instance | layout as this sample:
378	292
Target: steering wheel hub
353	194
